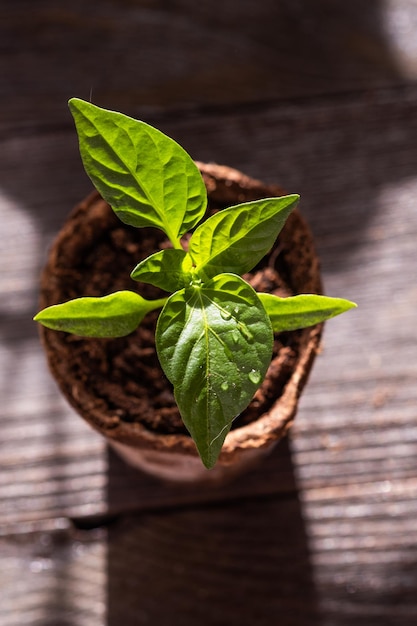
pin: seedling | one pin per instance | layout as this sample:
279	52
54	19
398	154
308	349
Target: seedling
214	335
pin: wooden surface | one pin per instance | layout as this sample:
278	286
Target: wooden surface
321	98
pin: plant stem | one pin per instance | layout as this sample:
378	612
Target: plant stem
157	304
176	243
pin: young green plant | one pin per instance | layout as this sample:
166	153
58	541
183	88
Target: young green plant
214	335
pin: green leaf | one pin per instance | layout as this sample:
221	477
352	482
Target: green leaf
168	269
302	310
236	239
115	315
214	342
146	177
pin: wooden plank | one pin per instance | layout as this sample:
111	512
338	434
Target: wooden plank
53	578
199	560
179	54
227	563
249	563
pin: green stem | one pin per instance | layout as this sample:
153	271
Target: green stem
157	304
176	243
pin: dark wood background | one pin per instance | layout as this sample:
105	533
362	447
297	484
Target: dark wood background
320	97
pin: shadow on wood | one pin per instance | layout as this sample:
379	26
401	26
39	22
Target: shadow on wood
225	558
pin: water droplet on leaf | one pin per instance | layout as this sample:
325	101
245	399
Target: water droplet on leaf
254	377
226	315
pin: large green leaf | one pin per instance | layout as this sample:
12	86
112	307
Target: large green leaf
115	315
147	178
303	310
214	342
235	239
169	269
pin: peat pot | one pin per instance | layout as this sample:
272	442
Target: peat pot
117	385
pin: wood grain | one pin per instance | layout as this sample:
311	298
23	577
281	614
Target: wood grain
179	54
322	99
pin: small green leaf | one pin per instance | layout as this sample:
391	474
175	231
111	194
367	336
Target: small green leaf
236	239
168	269
302	310
115	315
146	177
214	342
